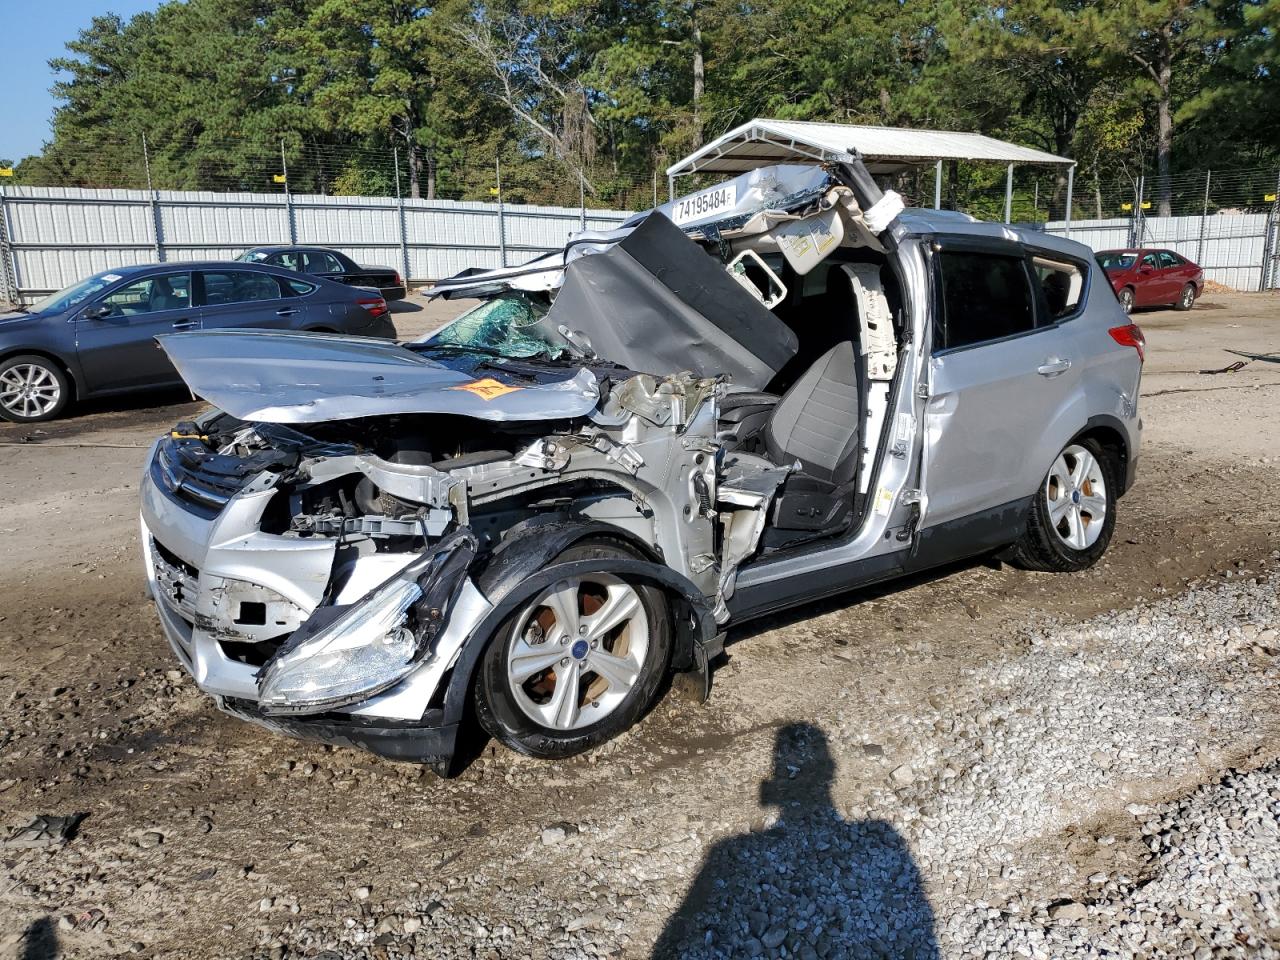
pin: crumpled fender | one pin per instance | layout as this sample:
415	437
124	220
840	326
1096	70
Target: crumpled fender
521	567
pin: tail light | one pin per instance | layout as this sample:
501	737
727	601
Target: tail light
1130	335
399	282
375	305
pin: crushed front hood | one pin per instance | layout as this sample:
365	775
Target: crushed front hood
311	378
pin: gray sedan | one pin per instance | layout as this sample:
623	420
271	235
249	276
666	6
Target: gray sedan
97	337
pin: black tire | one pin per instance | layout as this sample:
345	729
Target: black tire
1187	298
1043	547
1125	296
52	389
498	704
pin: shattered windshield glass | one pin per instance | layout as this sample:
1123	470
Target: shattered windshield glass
505	325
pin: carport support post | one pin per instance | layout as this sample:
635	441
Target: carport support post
157	227
1008	195
671	186
404	239
1071	183
937	186
582	203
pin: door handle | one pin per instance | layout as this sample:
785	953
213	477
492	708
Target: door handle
185	324
1053	366
287	313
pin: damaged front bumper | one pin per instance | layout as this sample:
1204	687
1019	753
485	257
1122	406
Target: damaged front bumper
234	601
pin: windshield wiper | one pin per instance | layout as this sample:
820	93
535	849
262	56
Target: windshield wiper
461	348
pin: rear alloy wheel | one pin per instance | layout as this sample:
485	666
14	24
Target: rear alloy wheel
32	389
1187	299
1126	299
1073	514
575	665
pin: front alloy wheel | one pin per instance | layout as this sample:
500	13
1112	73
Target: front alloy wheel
32	389
1073	513
577	663
577	651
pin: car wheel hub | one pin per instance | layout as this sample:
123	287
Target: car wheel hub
577	651
1075	494
29	390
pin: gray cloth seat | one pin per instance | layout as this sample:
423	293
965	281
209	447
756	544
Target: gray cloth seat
818	421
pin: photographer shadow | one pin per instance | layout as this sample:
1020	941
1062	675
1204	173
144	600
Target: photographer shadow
812	882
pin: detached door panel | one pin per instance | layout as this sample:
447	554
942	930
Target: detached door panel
118	351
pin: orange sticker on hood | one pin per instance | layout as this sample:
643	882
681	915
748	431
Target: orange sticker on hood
486	389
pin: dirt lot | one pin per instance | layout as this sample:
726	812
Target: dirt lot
1007	732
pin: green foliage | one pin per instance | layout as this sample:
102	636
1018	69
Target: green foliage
591	96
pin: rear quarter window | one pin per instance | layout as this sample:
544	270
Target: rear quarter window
1061	283
296	288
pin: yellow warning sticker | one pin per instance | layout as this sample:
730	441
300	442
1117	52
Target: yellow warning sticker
487	389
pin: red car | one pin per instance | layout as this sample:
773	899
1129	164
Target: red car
1148	278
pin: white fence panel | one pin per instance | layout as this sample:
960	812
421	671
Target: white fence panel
57	235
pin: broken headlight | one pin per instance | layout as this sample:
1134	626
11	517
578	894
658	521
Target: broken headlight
344	655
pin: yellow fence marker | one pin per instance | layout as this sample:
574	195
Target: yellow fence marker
1269	198
278	178
1126	206
6	171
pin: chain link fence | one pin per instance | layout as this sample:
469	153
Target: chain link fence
433	212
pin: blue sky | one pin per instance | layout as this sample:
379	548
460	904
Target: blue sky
34	31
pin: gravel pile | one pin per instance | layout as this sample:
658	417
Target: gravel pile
959	849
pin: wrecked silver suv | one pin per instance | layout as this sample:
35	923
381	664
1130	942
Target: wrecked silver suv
572	490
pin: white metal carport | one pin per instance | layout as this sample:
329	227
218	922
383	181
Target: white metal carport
884	150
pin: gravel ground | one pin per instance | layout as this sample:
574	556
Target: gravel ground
975	763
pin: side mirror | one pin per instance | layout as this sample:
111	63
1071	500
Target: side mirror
96	312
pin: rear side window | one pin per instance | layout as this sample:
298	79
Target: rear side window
985	297
1062	285
1168	259
238	286
290	261
318	261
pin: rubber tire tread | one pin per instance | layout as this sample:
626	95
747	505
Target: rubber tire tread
1040	548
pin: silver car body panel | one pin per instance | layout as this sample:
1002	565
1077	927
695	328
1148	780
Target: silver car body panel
314	378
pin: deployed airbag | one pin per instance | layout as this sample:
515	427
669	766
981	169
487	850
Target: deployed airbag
656	303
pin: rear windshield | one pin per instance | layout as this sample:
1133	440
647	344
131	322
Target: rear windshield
1116	259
